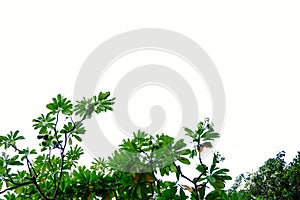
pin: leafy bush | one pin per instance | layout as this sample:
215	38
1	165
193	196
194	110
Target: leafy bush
135	171
274	180
140	169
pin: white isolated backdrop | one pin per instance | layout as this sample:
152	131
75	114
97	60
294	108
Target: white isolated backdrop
144	97
255	46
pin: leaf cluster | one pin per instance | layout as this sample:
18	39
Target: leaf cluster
47	173
137	170
274	180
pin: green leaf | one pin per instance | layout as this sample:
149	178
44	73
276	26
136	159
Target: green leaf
184	160
210	136
179	145
173	168
15	134
51	106
33	151
221	171
15	162
213	165
104	95
211	179
224	178
139	192
19	190
201	168
78	138
186	152
189	131
214	195
202	191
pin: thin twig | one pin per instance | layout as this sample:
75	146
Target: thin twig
16	186
62	155
32	173
181	174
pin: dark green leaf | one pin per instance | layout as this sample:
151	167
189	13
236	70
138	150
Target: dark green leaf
184	160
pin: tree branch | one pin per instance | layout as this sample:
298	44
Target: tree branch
16	186
62	155
181	174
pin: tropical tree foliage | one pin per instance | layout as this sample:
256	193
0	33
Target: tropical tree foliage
140	169
275	180
135	171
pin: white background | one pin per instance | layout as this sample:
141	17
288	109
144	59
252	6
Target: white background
255	46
